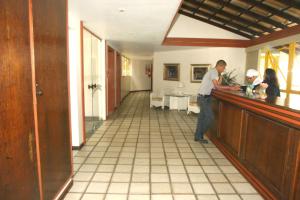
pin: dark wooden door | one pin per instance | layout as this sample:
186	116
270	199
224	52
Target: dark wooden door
111	80
18	166
118	79
50	39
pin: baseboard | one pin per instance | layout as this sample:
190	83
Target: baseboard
124	97
140	91
77	147
63	192
90	118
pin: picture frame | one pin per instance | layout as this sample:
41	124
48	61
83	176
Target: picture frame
198	71
171	72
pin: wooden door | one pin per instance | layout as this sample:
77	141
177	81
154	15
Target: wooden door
111	81
50	46
118	79
18	163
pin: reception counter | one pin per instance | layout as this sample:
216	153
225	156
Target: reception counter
262	139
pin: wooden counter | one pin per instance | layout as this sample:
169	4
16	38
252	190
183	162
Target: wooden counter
262	139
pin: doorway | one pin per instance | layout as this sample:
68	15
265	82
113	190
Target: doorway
92	86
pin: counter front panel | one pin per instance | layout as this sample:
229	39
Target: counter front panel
261	140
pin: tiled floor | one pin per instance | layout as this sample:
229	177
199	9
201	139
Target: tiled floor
143	154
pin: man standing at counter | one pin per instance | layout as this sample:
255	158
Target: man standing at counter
211	80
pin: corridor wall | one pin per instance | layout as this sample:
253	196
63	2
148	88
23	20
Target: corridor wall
235	58
139	79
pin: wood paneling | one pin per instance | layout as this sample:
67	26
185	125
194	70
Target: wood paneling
49	22
278	110
110	80
276	35
295	189
230	127
216	110
35	150
118	78
266	149
18	167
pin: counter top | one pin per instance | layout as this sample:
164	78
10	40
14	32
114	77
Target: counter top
291	103
286	110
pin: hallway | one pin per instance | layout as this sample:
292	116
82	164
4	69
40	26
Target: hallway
141	154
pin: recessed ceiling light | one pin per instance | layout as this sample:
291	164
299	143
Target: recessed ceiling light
121	10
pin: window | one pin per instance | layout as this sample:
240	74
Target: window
126	66
296	72
285	60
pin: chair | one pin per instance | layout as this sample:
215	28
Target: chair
157	100
193	105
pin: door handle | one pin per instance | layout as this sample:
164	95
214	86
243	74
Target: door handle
92	86
39	91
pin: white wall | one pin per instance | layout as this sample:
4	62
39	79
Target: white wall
75	80
102	80
252	59
186	27
139	79
235	58
125	86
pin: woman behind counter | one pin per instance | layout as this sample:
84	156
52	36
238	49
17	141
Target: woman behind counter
270	78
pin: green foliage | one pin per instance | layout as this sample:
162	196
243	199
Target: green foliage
229	78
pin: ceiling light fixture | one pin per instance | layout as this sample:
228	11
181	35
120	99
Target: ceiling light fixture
121	10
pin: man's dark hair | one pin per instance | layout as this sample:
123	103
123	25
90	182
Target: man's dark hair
221	62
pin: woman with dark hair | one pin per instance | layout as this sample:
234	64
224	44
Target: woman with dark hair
270	78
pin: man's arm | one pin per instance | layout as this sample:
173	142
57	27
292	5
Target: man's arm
220	80
218	86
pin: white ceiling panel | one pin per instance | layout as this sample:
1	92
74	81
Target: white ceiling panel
138	30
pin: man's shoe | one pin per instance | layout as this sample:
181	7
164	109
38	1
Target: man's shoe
203	141
196	139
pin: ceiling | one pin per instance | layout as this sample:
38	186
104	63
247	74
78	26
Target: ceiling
285	48
138	27
250	19
134	27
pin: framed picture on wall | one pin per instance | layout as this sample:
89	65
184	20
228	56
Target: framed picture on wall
171	71
198	71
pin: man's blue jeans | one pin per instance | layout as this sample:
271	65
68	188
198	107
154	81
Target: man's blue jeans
205	117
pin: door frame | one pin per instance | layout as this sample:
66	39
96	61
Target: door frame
82	28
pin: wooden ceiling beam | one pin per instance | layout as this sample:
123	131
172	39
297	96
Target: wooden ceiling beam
291	3
276	35
216	24
235	25
234	17
251	14
207	42
274	11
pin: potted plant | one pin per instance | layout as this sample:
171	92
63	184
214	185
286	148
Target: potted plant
229	78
